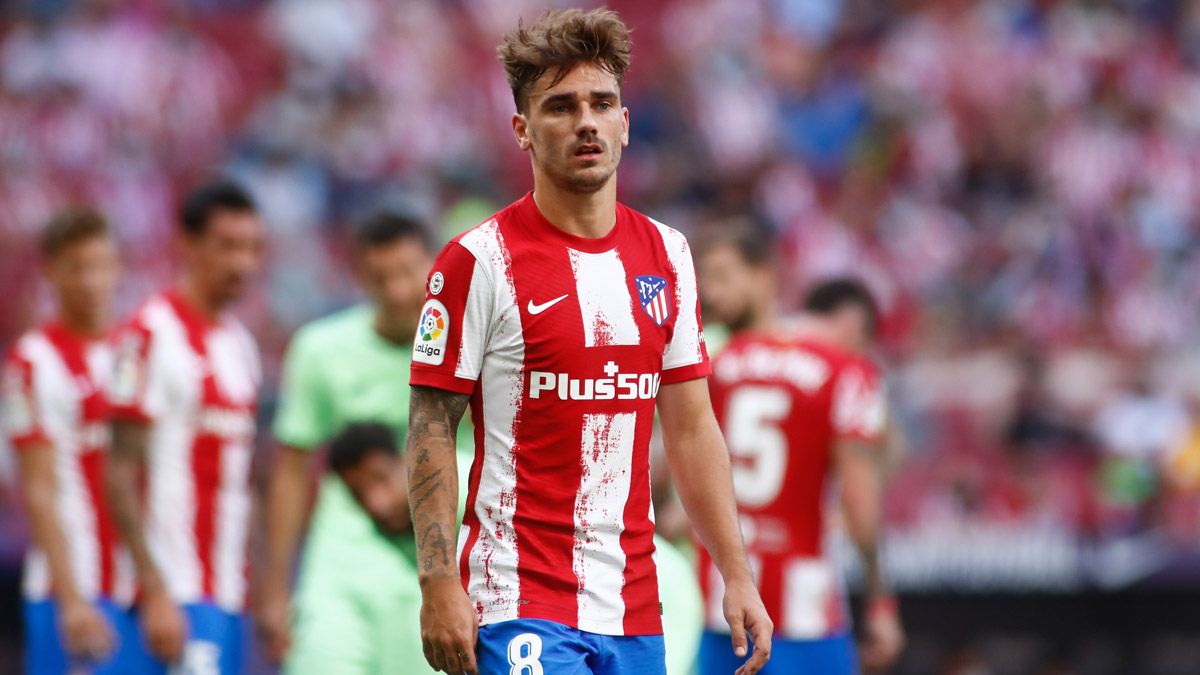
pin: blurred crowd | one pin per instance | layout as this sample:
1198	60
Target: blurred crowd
1016	180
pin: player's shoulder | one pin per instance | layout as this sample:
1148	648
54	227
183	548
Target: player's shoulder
839	358
27	349
485	245
674	241
150	316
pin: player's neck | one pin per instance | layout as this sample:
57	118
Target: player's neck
191	291
765	320
88	324
584	214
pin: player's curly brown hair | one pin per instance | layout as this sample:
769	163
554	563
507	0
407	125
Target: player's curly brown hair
71	226
559	40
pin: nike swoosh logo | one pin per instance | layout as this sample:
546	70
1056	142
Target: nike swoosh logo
538	309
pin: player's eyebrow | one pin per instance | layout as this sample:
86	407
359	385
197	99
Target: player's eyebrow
570	97
556	99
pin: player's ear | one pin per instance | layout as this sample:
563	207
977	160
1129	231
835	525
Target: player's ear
521	130
625	127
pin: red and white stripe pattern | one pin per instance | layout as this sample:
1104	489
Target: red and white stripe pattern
53	397
195	382
559	524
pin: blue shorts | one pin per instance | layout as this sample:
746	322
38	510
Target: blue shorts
45	653
831	656
214	645
536	647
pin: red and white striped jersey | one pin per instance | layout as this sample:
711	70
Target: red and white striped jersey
195	382
562	343
53	389
783	404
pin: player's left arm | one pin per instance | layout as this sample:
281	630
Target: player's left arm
861	456
699	464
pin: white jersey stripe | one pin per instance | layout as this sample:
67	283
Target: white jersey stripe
686	345
598	558
606	306
808	586
493	559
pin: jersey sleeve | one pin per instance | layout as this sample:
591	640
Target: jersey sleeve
304	419
859	403
138	390
686	356
455	324
21	415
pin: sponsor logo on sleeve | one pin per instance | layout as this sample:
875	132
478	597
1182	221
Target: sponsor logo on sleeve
436	283
127	377
432	333
18	409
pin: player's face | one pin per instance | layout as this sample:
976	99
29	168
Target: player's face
227	255
730	288
393	275
575	129
84	276
378	485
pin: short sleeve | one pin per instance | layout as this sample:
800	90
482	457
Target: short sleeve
21	414
304	418
455	323
137	391
686	356
859	403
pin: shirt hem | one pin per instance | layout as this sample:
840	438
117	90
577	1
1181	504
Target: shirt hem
694	371
437	380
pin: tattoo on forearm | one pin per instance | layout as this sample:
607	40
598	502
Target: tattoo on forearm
422	490
433	418
435	551
128	451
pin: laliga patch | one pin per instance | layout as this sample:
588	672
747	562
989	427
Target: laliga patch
432	334
127	379
18	408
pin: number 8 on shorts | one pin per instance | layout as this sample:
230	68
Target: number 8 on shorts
524	652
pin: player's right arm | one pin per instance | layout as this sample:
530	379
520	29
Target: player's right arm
448	353
85	632
859	419
301	425
137	397
448	621
287	508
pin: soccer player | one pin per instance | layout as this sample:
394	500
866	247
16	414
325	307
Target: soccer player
562	321
799	405
77	585
184	394
358	601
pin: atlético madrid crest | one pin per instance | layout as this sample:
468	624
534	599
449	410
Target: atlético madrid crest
656	300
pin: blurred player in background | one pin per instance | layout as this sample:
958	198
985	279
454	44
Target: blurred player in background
562	321
77	585
358	600
184	395
799	405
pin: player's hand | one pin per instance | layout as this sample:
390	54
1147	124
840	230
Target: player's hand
449	626
745	613
883	638
273	622
164	626
86	633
